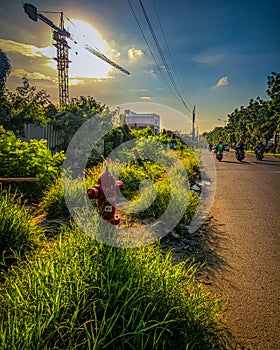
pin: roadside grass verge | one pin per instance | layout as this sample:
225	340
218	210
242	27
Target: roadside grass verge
18	232
81	294
147	194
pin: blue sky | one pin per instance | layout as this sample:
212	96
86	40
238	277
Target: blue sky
219	53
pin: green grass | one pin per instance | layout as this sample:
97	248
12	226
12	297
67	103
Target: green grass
18	232
81	294
76	293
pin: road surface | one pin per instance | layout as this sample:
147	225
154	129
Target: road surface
245	218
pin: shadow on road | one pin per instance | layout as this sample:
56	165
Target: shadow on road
201	246
268	162
205	247
233	162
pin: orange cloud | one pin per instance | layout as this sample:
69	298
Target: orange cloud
23	49
134	53
32	76
223	81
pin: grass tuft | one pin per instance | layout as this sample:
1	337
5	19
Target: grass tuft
18	232
85	295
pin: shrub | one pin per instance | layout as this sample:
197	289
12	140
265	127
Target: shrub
28	159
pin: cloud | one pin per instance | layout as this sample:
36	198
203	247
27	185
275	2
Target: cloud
134	53
139	90
151	72
115	53
145	98
222	82
77	82
23	49
208	58
20	73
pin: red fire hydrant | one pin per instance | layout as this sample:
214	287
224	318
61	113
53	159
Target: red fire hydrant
105	193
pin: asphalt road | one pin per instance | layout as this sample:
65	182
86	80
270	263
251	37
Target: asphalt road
246	219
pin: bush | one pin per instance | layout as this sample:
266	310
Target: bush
85	295
28	159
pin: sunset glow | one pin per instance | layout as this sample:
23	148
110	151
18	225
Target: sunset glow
83	63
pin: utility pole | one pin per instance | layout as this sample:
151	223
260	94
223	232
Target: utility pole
193	127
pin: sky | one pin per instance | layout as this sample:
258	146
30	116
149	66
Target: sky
214	55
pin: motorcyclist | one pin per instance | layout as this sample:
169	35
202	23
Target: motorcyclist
220	147
241	145
260	147
240	150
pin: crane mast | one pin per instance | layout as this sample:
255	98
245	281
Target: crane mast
63	61
62	58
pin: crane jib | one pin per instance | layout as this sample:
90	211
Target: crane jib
106	59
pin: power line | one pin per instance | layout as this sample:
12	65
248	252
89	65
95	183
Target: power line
168	50
165	64
154	58
162	55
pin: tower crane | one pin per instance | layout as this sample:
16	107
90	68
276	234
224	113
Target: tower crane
60	34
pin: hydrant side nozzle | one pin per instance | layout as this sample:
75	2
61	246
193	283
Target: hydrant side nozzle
120	185
93	192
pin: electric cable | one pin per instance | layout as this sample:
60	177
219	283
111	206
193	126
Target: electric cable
168	50
173	82
149	47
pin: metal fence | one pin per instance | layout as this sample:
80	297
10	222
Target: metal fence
47	132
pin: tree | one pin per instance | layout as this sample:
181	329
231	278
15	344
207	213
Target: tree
69	118
5	69
25	105
259	120
273	92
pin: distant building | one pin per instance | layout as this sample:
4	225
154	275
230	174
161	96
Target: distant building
141	121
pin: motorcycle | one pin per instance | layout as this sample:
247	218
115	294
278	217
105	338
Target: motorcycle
219	156
259	154
240	155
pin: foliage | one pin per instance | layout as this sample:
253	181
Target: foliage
273	92
69	118
85	295
5	68
25	105
137	190
18	233
257	121
28	159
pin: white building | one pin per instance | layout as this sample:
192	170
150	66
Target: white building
141	121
